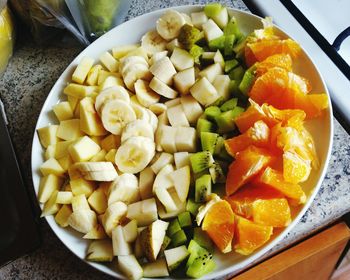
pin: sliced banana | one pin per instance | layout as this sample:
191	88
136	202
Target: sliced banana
115	115
138	128
153	119
94	166
140	111
145	95
162	88
125	189
127	61
158	108
155	57
135	154
152	42
134	72
116	92
101	176
112	216
169	24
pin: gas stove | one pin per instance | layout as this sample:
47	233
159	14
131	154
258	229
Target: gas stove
322	28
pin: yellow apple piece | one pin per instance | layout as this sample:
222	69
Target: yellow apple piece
48	135
62	148
81	186
73	101
109	62
79	202
96	233
110	156
63	111
92	76
82	70
90	122
121	51
83	149
48	184
103	74
100	156
65	162
50	152
79	91
63	214
74	172
50	206
69	130
64	197
98	201
110	142
51	166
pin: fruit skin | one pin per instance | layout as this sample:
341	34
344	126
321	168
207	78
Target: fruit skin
203	188
247	165
100	251
175	256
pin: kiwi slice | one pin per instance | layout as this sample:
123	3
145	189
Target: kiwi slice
212	112
196	52
201	265
229	42
217	43
184	219
179	238
225	120
202	239
232	28
208	141
216	173
189	36
212	9
201	161
229	105
202	188
165	244
230	64
247	82
204	125
237	73
192	206
174	227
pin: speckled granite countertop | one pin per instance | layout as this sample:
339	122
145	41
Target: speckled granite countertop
23	88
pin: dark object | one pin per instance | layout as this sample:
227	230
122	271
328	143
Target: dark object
19	232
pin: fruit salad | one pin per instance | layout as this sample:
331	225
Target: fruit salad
188	143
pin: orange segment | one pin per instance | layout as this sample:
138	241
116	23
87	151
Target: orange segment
257	135
277	60
247	165
300	141
250	236
271	212
242	200
268	47
275	179
295	168
219	224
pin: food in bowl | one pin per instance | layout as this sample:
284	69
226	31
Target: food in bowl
190	143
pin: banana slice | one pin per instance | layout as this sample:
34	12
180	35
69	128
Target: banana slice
125	189
145	95
116	92
153	120
112	216
135	154
140	111
115	115
94	166
158	108
101	176
134	72
152	42
127	61
162	88
169	25
138	128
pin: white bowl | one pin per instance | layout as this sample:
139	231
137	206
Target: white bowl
131	32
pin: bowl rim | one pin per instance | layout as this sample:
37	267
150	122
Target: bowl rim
257	256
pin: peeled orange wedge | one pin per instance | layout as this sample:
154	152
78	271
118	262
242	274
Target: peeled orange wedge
219	224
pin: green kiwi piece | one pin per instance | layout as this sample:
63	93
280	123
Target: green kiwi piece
204	125
226	120
212	112
192	206
189	36
230	64
216	173
202	239
174	227
202	188
201	161
229	42
184	219
236	73
208	141
201	265
229	105
196	52
217	43
212	9
179	238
